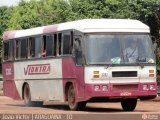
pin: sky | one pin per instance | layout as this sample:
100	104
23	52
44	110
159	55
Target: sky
8	2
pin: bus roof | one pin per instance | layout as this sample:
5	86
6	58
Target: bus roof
85	26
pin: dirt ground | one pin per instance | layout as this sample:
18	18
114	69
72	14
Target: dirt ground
94	111
8	105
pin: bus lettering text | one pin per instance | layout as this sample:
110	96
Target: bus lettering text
37	69
8	71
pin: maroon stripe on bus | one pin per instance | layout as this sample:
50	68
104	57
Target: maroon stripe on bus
50	28
10	89
8	71
9	35
75	75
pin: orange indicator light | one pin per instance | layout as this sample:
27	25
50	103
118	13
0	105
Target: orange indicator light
151	71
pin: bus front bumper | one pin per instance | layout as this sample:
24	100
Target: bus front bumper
120	91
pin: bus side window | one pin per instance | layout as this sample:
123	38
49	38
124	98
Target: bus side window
17	49
6	50
44	51
71	47
23	49
55	45
12	50
35	44
8	47
78	51
48	45
59	43
31	47
38	46
66	42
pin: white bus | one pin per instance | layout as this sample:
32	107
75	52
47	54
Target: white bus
90	60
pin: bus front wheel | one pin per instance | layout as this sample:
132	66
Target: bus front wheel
73	105
27	98
129	104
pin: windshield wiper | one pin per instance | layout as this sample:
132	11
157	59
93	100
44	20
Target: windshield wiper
139	64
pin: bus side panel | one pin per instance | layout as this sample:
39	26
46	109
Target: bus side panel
74	74
46	90
44	78
9	86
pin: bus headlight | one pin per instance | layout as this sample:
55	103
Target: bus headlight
104	88
96	88
145	87
152	87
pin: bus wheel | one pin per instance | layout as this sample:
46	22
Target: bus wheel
73	105
129	104
27	98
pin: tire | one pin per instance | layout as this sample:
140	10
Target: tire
129	104
73	105
27	98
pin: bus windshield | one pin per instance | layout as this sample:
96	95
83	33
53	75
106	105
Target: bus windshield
119	49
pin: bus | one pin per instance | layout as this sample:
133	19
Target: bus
81	61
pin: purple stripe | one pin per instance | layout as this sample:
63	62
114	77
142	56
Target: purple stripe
50	28
9	35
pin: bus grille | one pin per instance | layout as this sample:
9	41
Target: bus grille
124	74
125	87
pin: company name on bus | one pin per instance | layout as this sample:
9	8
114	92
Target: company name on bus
37	69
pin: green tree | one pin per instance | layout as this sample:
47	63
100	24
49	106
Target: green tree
5	13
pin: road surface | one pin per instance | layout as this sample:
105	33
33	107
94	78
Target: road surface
94	111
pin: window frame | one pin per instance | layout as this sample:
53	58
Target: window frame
57	50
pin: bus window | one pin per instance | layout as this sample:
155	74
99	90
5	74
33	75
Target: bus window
71	47
23	50
78	51
6	50
66	42
38	46
49	45
12	50
31	48
17	49
60	42
35	45
55	45
44	46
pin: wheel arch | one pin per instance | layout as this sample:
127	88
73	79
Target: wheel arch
25	83
66	89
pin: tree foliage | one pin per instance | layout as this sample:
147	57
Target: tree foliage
35	13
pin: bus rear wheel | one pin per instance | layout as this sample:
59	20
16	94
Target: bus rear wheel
73	105
27	98
129	104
